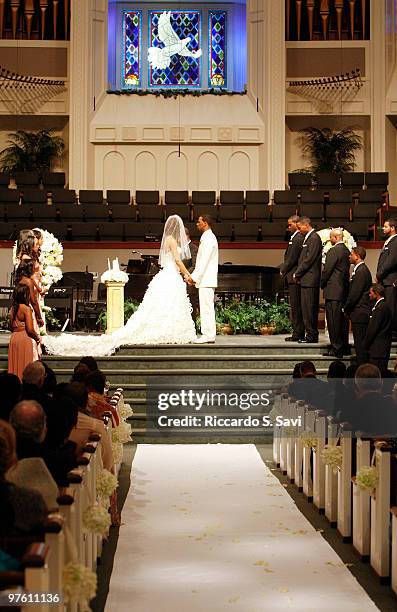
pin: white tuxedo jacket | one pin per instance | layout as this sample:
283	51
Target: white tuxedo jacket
205	274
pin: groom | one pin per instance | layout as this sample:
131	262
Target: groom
205	277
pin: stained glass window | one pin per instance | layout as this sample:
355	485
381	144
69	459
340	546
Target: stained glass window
178	69
217	48
132	56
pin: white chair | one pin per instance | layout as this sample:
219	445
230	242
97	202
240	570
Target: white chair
298	459
344	520
318	464
331	478
380	513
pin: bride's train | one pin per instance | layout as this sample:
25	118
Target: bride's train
163	317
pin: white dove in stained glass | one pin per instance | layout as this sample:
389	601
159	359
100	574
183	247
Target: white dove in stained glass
160	57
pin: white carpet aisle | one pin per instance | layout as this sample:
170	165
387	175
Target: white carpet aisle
209	528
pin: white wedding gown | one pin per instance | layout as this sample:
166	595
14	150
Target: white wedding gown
163	317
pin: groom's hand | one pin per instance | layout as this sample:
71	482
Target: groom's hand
188	279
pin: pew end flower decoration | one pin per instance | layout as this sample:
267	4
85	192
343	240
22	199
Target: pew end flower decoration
117	451
122	433
325	235
309	439
367	479
332	456
79	585
106	484
96	519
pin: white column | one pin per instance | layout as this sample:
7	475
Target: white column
88	78
266	83
378	87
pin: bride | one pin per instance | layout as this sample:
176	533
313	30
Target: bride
164	315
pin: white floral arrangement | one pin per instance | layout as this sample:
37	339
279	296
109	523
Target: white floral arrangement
332	456
96	519
309	439
114	274
106	484
51	258
126	412
274	413
325	235
79	585
367	478
117	450
122	433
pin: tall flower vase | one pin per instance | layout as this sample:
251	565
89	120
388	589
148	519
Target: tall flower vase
114	305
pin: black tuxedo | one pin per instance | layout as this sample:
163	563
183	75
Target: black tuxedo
308	273
287	269
335	285
378	337
192	290
358	308
386	273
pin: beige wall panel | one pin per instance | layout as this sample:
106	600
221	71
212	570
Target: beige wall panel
114	171
177	172
208	171
35	61
145	171
239	171
316	62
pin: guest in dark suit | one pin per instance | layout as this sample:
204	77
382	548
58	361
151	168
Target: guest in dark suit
358	306
335	285
287	269
378	337
386	272
190	264
307	274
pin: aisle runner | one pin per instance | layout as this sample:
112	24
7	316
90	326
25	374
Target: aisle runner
209	528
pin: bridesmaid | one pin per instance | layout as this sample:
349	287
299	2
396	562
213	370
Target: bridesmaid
24	346
24	276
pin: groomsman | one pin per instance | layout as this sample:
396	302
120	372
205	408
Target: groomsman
307	274
386	272
335	286
378	337
358	305
287	269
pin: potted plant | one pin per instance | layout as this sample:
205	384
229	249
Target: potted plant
31	151
330	150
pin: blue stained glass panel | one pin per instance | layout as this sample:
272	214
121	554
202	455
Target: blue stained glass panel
183	70
217	48
132	59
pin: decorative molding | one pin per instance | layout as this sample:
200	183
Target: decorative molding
201	133
104	133
248	134
128	133
153	133
225	133
177	133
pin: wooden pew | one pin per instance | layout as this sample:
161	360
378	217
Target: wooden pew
344	519
380	513
276	430
307	454
298	459
321	430
331	477
362	501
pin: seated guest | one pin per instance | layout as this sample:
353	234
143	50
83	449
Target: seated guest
90	362
21	509
29	422
87	424
372	412
310	388
50	380
296	373
33	379
80	373
337	392
98	404
10	393
59	452
378	337
24	346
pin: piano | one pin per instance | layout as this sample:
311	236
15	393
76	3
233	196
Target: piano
233	280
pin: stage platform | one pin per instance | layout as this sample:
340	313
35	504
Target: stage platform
234	361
